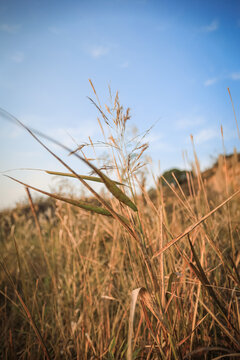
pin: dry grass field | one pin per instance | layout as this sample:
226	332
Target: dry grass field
125	273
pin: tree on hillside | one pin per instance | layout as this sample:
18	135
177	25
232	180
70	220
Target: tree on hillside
179	174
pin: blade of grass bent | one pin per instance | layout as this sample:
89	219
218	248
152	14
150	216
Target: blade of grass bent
146	300
134	297
78	203
85	177
112	187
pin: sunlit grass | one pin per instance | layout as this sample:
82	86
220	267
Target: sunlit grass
157	278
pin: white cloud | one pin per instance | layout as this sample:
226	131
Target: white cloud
10	132
11	29
157	141
235	76
17	57
153	137
68	136
164	26
205	135
188	122
210	82
15	133
230	76
54	30
124	65
97	51
213	26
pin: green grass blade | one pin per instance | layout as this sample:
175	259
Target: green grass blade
112	187
84	177
78	203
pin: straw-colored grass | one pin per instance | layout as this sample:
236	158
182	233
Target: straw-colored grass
157	278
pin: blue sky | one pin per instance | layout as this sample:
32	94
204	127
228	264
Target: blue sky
171	61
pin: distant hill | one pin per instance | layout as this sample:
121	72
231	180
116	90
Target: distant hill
225	169
225	173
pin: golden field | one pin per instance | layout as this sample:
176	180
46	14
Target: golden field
156	276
